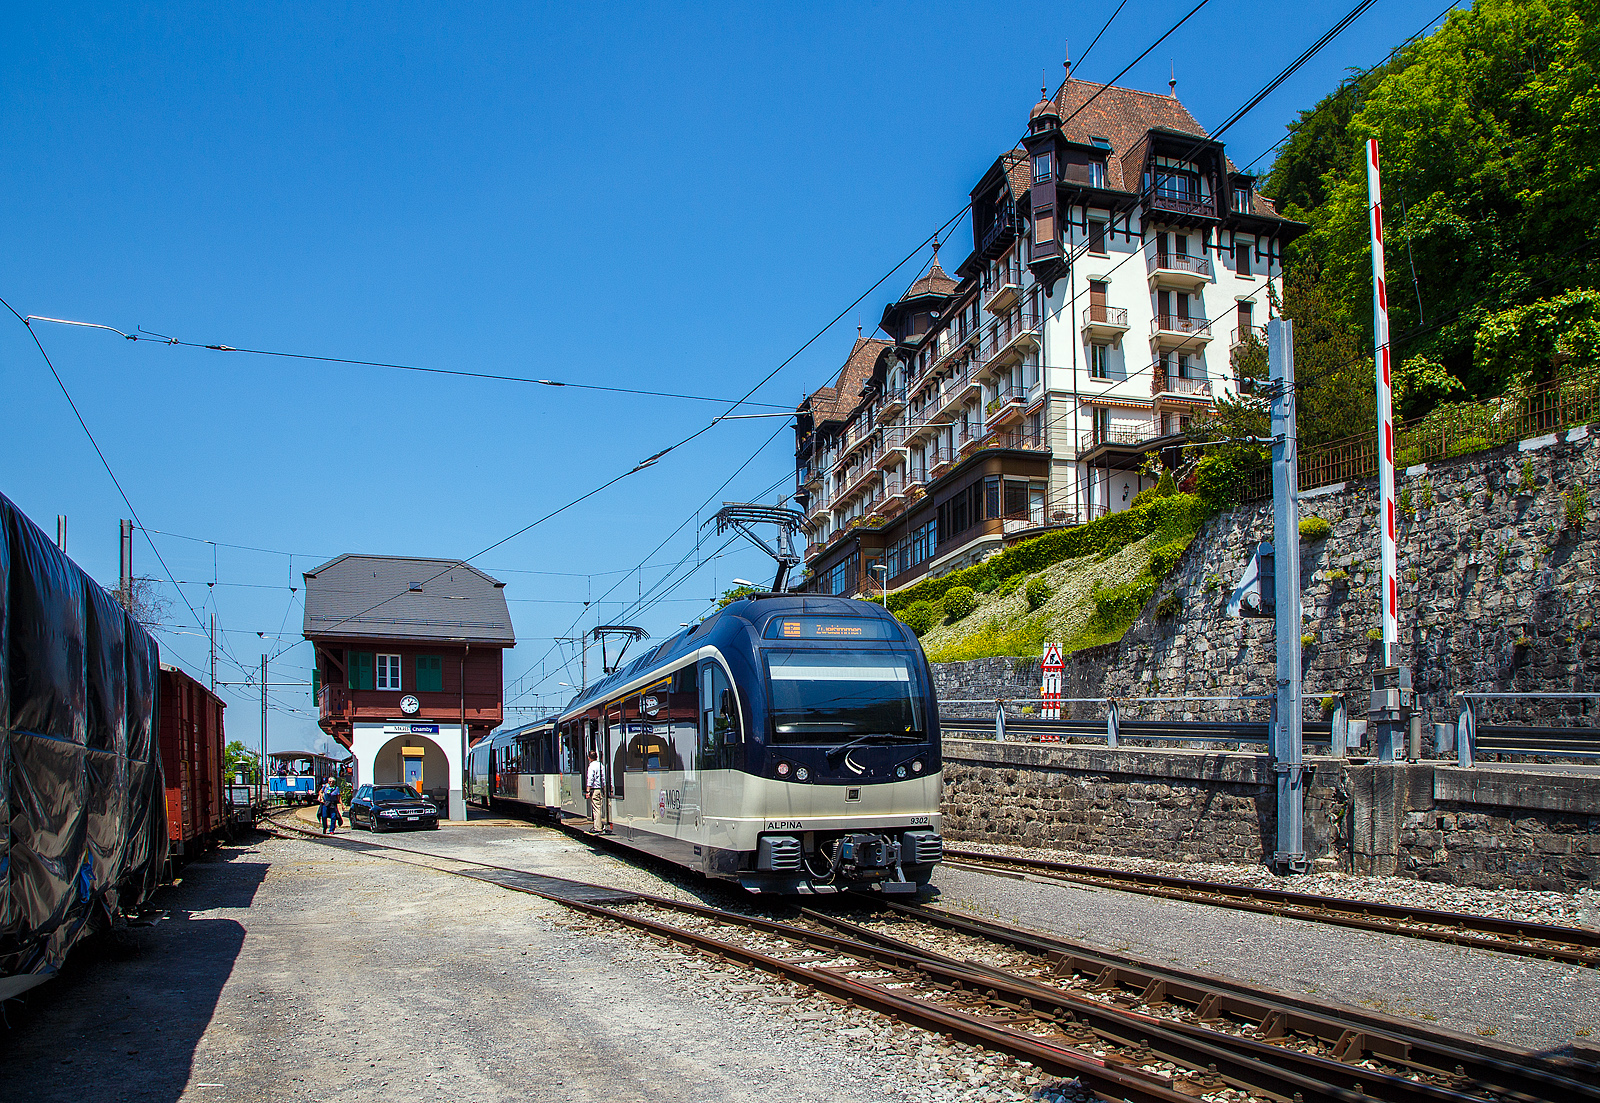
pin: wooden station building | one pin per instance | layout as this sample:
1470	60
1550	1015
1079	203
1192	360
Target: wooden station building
408	665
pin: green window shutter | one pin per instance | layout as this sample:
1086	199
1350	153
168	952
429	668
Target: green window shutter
316	684
360	670
430	674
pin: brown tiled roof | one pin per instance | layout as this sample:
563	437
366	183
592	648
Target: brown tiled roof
1018	175
934	283
835	403
1123	117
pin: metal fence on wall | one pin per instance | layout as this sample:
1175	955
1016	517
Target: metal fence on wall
1453	430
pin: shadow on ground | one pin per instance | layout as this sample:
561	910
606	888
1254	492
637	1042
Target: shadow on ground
122	1020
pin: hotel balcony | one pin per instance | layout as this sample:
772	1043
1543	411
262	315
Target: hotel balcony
1169	331
1005	292
1089	441
940	459
1174	270
893	402
954	394
1028	440
1004	408
1104	323
1244	335
1188	205
1163	385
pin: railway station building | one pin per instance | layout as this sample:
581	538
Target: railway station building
408	668
1120	264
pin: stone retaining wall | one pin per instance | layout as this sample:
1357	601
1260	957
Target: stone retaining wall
1499	827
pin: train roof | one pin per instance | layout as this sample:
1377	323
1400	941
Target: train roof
750	612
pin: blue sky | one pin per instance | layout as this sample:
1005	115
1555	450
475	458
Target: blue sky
669	197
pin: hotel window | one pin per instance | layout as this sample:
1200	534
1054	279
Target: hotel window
1241	258
1041	166
1098	356
1097	174
388	672
1097	238
1241	200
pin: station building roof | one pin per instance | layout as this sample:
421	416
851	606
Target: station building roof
402	598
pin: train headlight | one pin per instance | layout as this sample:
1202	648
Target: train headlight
783	769
917	767
900	771
802	774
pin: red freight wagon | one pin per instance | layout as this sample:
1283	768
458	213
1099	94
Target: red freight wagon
193	759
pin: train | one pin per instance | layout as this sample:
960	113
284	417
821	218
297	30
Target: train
193	763
297	776
789	743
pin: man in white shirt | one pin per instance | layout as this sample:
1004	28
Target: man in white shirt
594	784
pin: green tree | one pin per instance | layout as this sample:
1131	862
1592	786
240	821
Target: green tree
237	755
738	592
1489	130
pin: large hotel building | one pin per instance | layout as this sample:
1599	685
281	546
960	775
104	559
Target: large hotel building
1119	259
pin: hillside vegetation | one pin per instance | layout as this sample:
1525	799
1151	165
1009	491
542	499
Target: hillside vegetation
1083	586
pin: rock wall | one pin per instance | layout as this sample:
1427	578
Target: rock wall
1498	585
1500	827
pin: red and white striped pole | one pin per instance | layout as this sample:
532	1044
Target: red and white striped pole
1390	600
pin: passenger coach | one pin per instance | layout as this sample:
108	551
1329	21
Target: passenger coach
789	742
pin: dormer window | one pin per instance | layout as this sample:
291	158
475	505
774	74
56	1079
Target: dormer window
1097	174
1241	199
1041	166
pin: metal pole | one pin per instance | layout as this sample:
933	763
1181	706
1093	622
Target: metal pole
213	652
1341	727
1389	598
1466	734
61	531
263	726
1113	723
1287	743
124	561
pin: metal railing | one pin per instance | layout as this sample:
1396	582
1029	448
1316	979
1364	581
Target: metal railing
1157	199
1245	334
1095	438
1101	315
1454	430
1163	383
1472	738
1177	262
1172	323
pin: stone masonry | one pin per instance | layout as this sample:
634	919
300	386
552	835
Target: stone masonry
1498	583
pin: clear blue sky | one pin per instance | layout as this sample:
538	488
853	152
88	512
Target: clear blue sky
670	197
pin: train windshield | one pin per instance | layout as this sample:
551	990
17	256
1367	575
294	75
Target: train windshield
832	696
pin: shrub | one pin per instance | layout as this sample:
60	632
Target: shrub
959	601
1374	634
1406	509
1178	516
987	586
1169	606
1166	556
1144	497
1315	528
1308	640
919	616
1116	607
1009	586
1166	486
1329	704
1339	576
1038	592
1529	484
1462	445
1576	502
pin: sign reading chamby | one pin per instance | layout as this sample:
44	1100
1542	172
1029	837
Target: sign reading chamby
1050	687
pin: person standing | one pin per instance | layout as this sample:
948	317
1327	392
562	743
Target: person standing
594	784
330	806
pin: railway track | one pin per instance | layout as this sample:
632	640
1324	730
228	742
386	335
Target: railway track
1570	945
1125	1030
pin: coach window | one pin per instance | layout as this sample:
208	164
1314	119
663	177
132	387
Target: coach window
719	720
615	739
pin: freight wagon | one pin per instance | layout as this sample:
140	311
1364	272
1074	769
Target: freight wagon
193	761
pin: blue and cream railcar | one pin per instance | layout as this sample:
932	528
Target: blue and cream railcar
520	766
789	742
297	776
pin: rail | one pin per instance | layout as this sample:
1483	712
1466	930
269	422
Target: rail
1099	315
1177	262
1174	323
1164	383
1472	738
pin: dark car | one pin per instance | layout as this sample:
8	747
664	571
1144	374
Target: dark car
381	807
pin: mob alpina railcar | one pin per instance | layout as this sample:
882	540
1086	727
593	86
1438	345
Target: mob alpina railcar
788	742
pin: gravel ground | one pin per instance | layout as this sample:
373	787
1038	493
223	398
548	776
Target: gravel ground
296	971
1580	909
1516	1001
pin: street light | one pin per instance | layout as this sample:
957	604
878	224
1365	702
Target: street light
883	577
742	582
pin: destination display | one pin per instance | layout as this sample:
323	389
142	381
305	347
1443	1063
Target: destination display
828	628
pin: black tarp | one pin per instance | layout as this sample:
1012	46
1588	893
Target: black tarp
80	772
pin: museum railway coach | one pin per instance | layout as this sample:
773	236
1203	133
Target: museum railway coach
789	743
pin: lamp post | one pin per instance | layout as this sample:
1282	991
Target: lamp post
882	571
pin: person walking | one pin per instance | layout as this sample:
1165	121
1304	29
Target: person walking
329	813
594	784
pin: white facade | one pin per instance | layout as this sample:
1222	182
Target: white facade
379	749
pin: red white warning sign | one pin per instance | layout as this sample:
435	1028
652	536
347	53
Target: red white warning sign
1050	687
